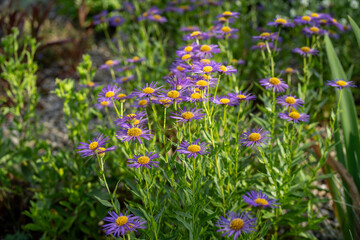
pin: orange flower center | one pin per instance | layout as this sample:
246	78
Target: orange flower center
254	137
236	224
143	160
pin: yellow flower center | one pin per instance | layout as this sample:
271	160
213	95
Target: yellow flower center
265	34
188	49
314	29
222	19
241	97
109	62
196	96
134	132
136	58
117	19
289	70
164	101
280	20
261	201
197	89
205	48
121	95
157	17
254	137
123	79
101	152
142	102
104	103
194	148
93	145
341	83
143	160
121	221
274	81
206	77
131	115
234	60
305	49
186	56
145	14
227	13
223	68
323	21
294	115
109	94
180	68
173	94
306	18
207	69
148	90
225	100
187	115
90	84
236	224
290	100
202	83
195	33
260	44
226	29
204	60
314	15
334	20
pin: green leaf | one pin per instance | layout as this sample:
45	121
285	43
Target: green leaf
103	202
356	29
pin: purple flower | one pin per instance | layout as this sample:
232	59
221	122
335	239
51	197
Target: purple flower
288	70
103	102
235	223
303	20
133	133
157	18
309	31
225	101
179	81
108	92
144	160
100	18
276	83
242	96
164	101
90	84
124	79
204	81
294	116
222	20
253	138
133	119
228	70
94	147
225	31
109	63
281	22
192	149
340	84
174	95
178	67
136	59
122	96
142	103
195	97
116	21
290	102
237	62
148	91
305	51
125	68
196	35
189	29
207	50
187	49
259	199
122	224
152	11
228	14
185	115
204	67
266	36
262	46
